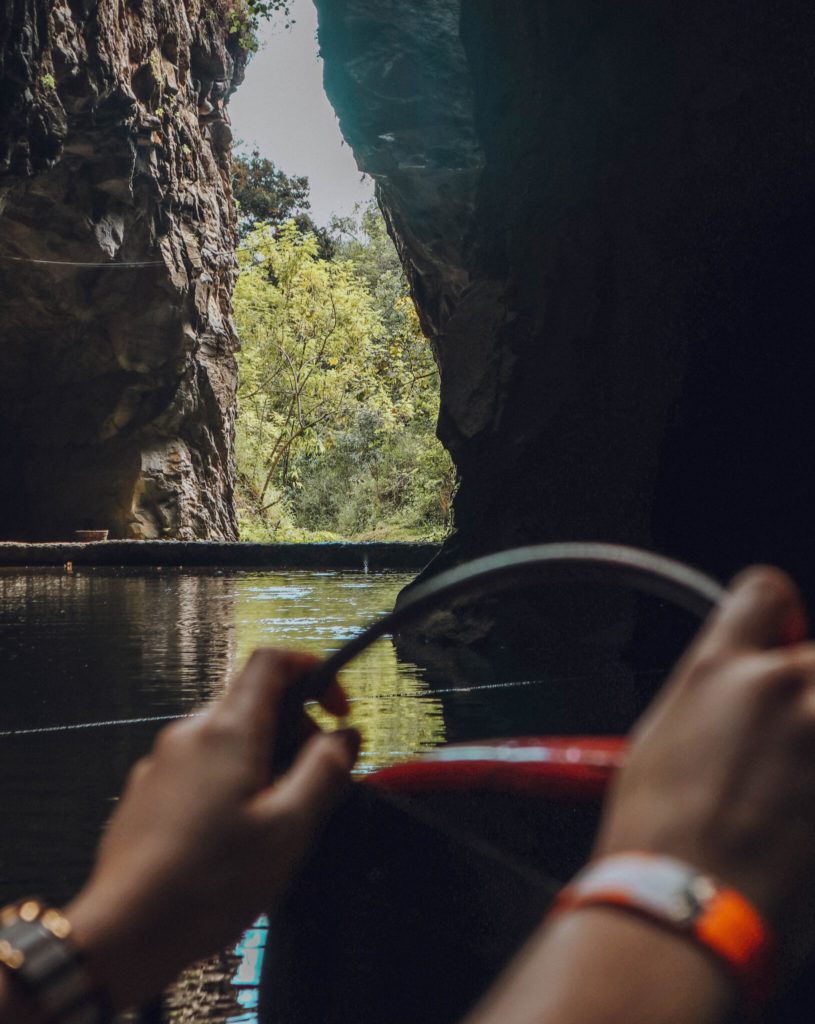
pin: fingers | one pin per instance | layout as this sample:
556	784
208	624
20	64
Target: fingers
335	701
315	780
267	675
762	610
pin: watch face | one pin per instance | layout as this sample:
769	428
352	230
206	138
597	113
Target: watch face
662	886
684	908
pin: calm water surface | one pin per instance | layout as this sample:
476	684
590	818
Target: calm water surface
93	657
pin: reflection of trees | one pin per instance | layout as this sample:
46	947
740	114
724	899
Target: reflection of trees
390	706
205	993
99	645
99	640
316	612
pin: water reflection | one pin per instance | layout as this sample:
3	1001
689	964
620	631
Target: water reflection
317	613
94	647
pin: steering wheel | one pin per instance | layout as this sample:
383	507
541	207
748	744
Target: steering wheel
433	872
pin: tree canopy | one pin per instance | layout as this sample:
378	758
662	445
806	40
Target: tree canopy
265	195
338	393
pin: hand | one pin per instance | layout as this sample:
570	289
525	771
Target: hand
203	839
721	770
720	773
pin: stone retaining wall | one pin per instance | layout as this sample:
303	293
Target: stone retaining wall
376	556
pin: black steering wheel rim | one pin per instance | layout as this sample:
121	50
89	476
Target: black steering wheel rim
360	900
616	564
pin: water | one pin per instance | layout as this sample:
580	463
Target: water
94	659
87	648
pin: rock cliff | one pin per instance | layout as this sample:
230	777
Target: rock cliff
117	373
606	213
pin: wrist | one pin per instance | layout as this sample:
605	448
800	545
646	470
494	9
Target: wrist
45	975
107	935
694	906
640	973
602	967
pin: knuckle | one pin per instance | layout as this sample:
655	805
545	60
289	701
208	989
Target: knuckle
329	765
288	813
171	738
333	760
772	586
140	771
786	673
264	658
705	666
216	729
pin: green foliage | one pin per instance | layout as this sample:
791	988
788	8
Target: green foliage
265	195
155	68
339	392
48	80
265	10
246	16
304	325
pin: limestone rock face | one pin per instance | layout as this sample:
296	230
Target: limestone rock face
117	369
606	211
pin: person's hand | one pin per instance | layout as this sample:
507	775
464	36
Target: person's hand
204	839
721	770
720	773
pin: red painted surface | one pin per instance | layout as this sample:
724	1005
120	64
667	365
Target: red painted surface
551	767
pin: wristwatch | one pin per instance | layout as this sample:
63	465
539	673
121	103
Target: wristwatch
36	950
691	903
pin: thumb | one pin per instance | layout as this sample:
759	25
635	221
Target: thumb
315	781
762	609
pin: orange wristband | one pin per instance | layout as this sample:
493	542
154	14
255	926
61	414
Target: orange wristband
678	897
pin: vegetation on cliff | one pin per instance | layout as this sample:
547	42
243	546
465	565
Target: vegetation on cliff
338	393
246	16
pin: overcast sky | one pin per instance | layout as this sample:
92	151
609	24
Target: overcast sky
281	108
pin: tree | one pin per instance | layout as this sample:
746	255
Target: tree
306	327
338	397
247	15
404	353
265	195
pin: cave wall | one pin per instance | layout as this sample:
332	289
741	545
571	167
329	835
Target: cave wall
117	236
606	212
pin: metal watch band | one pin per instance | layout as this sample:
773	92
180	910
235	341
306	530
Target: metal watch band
689	902
35	948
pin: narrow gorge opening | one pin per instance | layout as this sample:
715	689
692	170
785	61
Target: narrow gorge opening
119	354
338	388
604	215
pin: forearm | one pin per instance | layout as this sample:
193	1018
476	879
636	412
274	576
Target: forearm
603	966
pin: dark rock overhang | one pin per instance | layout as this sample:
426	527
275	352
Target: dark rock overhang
606	214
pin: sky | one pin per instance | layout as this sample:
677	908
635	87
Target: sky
282	109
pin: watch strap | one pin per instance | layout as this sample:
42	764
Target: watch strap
36	950
691	903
